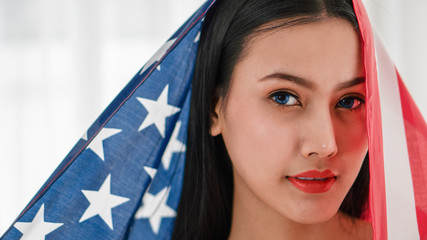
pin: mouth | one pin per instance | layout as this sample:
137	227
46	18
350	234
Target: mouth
313	181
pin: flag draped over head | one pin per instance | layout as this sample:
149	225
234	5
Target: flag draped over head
397	136
123	178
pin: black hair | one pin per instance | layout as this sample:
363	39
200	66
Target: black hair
206	201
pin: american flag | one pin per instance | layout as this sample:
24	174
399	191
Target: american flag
123	178
397	136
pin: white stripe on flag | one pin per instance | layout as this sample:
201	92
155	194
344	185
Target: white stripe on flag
401	215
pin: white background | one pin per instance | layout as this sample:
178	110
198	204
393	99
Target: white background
63	61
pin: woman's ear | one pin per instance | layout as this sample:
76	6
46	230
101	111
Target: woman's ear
216	125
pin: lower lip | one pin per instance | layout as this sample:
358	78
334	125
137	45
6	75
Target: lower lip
313	186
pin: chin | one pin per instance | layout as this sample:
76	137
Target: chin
314	216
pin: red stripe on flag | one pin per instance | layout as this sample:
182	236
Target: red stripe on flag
377	197
416	137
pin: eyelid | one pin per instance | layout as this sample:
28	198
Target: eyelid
288	91
359	96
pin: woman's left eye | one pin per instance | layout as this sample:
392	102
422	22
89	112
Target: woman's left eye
350	102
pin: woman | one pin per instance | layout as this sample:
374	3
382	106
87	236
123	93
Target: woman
277	125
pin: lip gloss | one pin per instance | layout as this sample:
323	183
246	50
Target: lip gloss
313	181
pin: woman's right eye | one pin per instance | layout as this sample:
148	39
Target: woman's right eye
284	98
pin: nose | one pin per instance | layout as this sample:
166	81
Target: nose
318	136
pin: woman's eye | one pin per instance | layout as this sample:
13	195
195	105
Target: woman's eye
284	98
350	102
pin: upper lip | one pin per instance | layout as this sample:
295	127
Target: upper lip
315	174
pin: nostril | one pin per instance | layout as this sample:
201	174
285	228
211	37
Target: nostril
312	154
322	151
331	154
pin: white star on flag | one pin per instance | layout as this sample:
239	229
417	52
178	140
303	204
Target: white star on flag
150	171
38	228
158	111
154	208
84	136
174	145
101	203
158	55
96	144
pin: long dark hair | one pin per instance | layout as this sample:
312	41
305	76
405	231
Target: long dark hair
205	207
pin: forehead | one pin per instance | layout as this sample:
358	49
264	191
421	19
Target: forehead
326	50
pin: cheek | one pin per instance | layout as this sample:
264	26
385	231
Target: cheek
258	141
352	143
352	135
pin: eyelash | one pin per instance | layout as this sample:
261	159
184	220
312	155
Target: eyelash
282	99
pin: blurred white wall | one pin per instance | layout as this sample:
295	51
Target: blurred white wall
402	26
63	61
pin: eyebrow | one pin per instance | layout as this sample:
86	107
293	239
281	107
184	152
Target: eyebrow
284	76
307	84
351	83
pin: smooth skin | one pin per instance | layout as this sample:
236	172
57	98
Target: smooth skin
295	103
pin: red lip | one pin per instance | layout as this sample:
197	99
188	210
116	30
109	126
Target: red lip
315	174
313	181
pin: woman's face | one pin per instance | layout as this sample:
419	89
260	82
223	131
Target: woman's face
294	120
